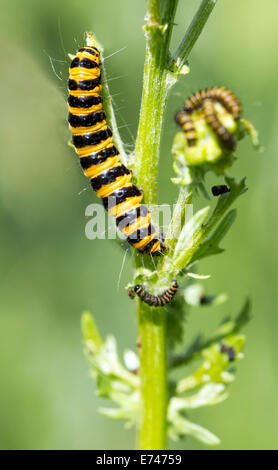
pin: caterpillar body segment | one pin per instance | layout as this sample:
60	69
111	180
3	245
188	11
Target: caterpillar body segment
185	121
156	300
211	117
100	159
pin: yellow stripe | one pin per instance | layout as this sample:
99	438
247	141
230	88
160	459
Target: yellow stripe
108	189
85	130
141	222
144	241
96	170
85	151
94	92
87	55
156	247
130	203
82	73
80	111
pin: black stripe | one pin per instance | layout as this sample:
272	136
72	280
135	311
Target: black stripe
120	195
84	101
87	49
98	157
84	84
140	234
132	215
86	63
109	176
86	120
147	248
92	138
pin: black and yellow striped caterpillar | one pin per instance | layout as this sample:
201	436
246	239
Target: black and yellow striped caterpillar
155	300
204	100
100	159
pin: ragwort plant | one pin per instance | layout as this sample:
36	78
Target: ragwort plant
141	386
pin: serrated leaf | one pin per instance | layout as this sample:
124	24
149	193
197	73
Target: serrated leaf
226	328
188	230
215	366
179	426
211	244
208	395
249	128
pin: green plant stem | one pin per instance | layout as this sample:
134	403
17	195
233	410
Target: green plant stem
157	82
193	32
151	322
153	377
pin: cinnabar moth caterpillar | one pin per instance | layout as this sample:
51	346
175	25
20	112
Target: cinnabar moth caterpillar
203	100
100	159
229	350
219	189
157	300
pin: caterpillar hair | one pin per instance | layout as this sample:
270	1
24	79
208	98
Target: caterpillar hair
211	117
100	159
157	300
220	189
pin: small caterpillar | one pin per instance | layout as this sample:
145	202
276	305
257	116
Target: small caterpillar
219	189
211	117
156	300
229	350
100	159
204	100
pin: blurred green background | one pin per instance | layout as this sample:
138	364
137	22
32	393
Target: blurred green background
50	272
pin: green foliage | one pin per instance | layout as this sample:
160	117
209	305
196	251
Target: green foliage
211	244
206	386
113	380
143	397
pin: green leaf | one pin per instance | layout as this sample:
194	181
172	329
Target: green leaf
195	295
198	276
188	230
199	343
179	426
113	380
184	257
211	245
90	331
215	366
209	394
247	127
